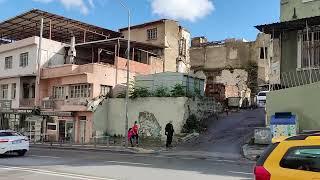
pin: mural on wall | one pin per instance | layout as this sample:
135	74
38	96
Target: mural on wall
149	126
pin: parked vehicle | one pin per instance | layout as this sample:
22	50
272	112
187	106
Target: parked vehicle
293	158
261	98
11	141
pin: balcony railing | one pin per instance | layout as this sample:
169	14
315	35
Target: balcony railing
27	102
68	105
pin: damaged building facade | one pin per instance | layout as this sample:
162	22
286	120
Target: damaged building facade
52	94
174	39
235	68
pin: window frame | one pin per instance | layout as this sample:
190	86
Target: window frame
8	61
58	92
24	59
292	149
152	33
13	90
263	53
103	89
80	91
4	91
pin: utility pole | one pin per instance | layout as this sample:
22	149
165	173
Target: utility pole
128	72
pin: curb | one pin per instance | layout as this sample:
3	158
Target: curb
125	151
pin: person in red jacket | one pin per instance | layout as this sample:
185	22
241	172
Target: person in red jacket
135	130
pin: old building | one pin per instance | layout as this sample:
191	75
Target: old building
299	35
171	36
234	68
78	66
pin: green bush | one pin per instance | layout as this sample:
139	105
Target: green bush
192	125
140	92
178	91
162	92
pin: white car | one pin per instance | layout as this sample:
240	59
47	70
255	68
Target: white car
262	98
11	141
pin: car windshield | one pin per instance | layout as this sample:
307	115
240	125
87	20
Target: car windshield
262	94
4	134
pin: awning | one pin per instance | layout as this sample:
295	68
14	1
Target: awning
56	27
299	24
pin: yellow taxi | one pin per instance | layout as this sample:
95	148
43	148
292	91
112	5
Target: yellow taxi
294	158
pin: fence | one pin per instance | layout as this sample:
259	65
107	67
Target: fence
297	78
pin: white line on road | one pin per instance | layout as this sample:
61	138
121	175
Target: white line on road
53	157
131	163
236	172
53	173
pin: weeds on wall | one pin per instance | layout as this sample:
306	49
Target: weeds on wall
177	91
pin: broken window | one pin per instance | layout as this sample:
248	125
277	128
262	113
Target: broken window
152	34
262	51
182	47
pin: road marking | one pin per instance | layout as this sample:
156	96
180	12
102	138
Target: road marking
131	163
53	173
53	157
237	172
220	160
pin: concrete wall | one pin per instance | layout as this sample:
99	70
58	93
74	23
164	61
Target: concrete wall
303	101
304	9
151	113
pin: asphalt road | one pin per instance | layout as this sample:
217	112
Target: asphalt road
47	164
226	135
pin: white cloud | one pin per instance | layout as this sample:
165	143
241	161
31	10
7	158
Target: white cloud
190	10
73	4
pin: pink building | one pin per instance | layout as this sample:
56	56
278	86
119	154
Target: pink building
77	67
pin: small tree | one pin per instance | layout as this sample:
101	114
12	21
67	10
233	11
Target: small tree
162	91
178	91
140	92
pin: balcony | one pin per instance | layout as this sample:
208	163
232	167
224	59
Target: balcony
27	103
65	105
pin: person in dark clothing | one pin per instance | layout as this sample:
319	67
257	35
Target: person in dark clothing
169	133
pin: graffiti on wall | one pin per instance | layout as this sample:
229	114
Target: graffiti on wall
149	125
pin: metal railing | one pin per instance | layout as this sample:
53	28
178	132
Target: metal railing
297	78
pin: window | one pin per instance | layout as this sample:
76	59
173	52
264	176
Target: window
302	158
310	49
52	127
105	90
4	134
24	59
26	91
262	50
4	91
183	47
58	92
152	33
33	90
13	90
80	91
8	62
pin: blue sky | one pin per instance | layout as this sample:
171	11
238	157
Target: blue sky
215	19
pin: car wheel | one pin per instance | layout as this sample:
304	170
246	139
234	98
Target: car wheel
22	152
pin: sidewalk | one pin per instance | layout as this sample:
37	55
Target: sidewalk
85	147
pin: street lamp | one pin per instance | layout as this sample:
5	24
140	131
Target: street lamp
128	73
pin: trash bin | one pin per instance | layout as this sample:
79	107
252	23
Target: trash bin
283	124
